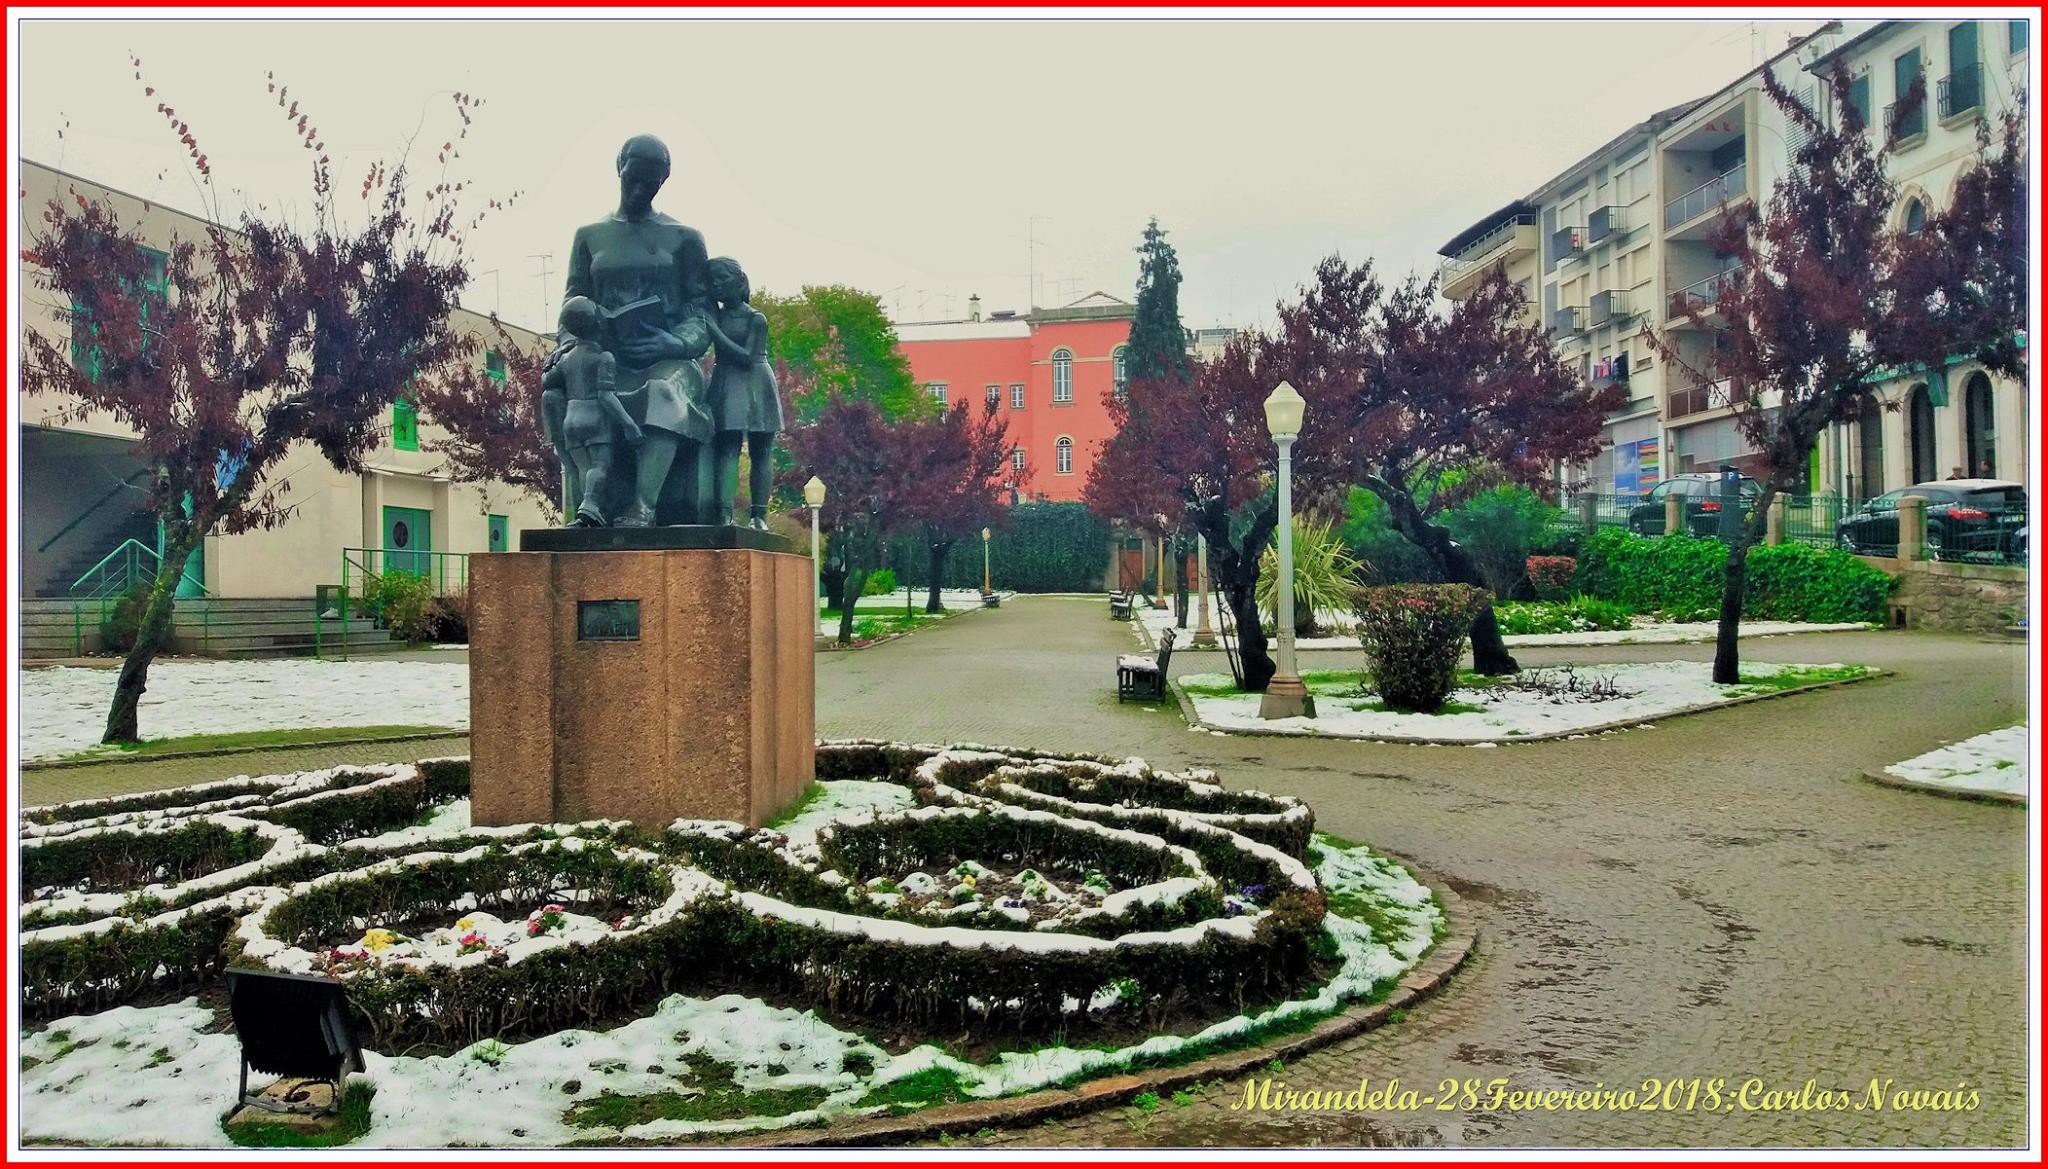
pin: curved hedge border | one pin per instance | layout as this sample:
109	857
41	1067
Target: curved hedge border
225	851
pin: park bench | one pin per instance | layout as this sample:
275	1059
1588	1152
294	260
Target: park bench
1120	606
1143	678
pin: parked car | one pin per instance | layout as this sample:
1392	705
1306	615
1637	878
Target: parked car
1702	496
1966	518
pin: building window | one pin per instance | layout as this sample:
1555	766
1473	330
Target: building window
1062	376
1905	75
1870	439
2015	37
993	395
1920	434
1120	378
1017	460
1859	98
1064	451
494	366
405	425
1915	218
937	390
1016	395
86	356
1981	435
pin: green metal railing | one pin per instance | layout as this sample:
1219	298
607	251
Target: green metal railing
1811	519
358	594
130	563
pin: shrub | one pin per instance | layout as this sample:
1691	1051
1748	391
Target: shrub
450	619
1325	574
881	583
1680	576
1413	635
1496	528
123	623
405	604
1564	538
1578	615
1551	576
1388	557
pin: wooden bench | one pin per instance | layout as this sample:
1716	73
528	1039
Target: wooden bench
1143	678
1120	606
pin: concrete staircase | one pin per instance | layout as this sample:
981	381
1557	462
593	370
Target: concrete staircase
140	527
220	627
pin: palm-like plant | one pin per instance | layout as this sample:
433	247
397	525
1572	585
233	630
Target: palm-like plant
1325	575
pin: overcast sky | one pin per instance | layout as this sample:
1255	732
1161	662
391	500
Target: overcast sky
913	158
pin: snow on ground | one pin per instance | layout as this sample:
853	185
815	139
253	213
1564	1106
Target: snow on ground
1514	710
64	708
1994	762
155	1075
1647	631
883	605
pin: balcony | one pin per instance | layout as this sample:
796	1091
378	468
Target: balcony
1570	319
1568	243
1609	307
1701	397
1701	296
1904	123
1458	275
1960	92
1724	188
1604	224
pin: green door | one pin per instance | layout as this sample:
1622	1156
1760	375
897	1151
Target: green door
408	537
500	533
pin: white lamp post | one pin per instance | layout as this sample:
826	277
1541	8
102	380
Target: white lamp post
1203	634
1159	566
814	497
1285	695
985	590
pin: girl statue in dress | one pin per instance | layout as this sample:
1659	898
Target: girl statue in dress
745	406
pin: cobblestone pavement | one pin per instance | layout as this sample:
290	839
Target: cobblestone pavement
1715	896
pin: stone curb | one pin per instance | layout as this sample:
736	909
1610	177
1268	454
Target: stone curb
1187	707
1420	982
1971	794
165	756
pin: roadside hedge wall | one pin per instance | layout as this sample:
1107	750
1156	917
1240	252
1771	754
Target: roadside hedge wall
1680	576
1047	548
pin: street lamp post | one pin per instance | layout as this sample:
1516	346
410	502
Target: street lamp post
985	590
814	497
1285	695
1203	634
1159	567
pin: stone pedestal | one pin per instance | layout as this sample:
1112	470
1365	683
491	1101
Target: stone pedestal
644	683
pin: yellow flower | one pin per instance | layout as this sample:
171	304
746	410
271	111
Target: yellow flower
378	940
467	923
968	880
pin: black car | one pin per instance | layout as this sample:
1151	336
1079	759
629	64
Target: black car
1702	496
1975	519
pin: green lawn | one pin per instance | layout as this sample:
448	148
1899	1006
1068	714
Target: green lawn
293	737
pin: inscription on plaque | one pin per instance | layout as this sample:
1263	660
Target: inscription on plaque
608	621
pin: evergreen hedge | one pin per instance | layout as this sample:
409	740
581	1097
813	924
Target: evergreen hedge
1046	548
1681	576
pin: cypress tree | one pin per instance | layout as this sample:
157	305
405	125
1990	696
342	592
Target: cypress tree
1158	346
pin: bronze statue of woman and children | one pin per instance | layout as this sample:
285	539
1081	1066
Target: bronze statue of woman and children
645	437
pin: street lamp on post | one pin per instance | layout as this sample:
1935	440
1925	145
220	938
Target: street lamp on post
1285	695
985	590
1159	566
814	498
1203	634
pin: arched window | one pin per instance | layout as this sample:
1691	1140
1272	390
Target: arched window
1062	376
1980	438
1916	216
1870	440
1120	379
1064	450
1920	434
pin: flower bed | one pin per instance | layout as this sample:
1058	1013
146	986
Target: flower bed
545	972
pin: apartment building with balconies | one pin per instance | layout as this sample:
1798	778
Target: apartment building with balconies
1927	424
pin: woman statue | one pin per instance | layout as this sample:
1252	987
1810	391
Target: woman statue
646	273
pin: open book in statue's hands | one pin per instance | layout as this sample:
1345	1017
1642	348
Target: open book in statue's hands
641	318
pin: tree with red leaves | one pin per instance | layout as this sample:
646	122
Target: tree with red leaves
958	467
1827	300
248	343
1426	407
853	450
491	431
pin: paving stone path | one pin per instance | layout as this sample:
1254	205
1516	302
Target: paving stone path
1715	896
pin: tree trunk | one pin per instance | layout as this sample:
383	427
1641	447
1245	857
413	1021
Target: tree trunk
938	551
1252	655
123	725
856	579
1490	654
1734	581
1234	571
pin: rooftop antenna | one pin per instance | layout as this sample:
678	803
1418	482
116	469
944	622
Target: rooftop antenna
497	289
544	258
1031	286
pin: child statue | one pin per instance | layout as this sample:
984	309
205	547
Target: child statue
586	378
744	401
